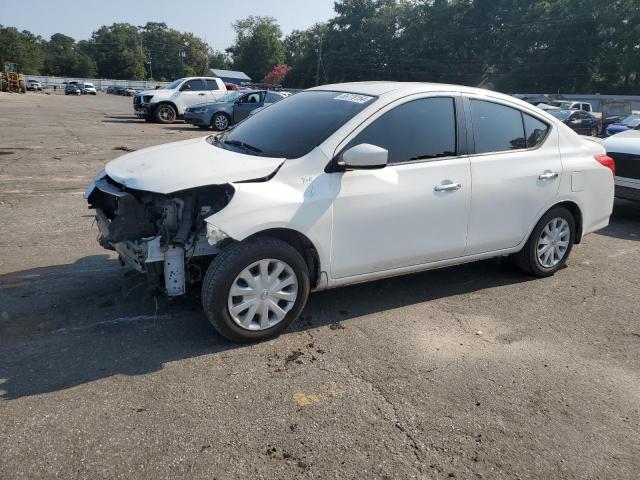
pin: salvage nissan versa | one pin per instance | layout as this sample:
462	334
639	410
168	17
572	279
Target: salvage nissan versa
381	179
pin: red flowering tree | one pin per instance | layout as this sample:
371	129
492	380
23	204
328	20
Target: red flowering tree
277	74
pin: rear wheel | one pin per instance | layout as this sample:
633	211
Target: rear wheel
594	132
164	113
549	245
255	289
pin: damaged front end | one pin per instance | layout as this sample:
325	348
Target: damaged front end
164	236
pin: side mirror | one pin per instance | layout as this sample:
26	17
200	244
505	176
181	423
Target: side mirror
364	157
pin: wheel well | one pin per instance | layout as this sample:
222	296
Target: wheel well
302	244
577	216
165	102
221	113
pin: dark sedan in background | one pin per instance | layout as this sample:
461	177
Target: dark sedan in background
580	122
632	122
72	89
230	109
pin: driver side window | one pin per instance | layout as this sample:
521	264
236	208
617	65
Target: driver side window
417	130
192	86
251	98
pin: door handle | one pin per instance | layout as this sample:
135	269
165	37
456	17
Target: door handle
201	94
548	176
448	187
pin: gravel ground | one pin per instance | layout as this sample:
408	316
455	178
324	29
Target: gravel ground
468	372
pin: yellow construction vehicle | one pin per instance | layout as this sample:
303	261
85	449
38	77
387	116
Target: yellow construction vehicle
11	80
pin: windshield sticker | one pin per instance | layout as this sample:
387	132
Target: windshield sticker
352	97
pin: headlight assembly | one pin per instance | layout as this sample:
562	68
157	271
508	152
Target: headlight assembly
214	234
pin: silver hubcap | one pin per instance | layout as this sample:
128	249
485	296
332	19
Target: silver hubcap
221	122
166	114
262	294
553	242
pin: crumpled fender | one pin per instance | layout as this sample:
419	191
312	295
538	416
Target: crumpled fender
298	198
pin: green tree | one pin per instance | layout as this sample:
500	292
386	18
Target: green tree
65	58
24	48
258	46
303	54
219	60
117	51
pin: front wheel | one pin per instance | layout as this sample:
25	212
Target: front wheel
255	289
549	245
220	122
165	113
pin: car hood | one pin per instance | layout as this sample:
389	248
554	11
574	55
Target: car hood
160	91
188	164
619	126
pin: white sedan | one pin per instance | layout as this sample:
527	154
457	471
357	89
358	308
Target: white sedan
349	183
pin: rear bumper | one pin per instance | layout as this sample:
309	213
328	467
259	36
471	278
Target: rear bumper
628	188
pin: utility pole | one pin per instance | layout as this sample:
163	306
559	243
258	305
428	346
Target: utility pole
150	69
319	63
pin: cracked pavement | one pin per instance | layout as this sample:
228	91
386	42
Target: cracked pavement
391	379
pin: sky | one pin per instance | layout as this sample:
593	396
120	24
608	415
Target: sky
210	20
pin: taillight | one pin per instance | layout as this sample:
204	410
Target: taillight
607	161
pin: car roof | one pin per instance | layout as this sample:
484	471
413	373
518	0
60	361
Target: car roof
383	87
401	89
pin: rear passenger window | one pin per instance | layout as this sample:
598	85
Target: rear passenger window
418	130
535	130
212	85
496	128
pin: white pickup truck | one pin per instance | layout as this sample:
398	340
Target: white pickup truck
165	105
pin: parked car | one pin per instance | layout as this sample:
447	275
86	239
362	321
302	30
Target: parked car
579	121
89	88
624	148
167	104
632	122
568	105
610	120
34	85
72	89
230	109
349	183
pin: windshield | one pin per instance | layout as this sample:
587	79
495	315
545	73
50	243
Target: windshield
560	114
174	85
295	125
230	97
631	120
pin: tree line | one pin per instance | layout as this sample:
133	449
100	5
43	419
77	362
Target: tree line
511	45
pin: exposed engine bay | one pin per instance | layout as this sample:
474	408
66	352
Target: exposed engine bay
163	236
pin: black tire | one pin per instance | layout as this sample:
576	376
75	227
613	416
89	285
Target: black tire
165	113
227	266
594	132
527	259
220	119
